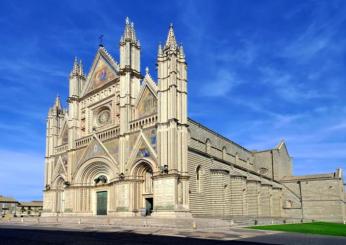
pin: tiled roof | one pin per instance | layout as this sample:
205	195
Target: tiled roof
31	204
7	199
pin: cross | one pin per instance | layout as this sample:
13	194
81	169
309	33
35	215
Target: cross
101	40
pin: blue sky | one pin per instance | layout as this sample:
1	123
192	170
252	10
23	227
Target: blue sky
259	72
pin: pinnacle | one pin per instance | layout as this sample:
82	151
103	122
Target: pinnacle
159	53
129	31
57	103
81	72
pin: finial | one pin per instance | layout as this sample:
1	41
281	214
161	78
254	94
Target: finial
127	20
147	70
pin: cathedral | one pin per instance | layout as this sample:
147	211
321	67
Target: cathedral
126	147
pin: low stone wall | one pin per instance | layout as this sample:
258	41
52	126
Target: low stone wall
177	223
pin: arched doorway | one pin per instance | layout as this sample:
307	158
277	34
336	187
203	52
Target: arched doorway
94	191
143	188
60	197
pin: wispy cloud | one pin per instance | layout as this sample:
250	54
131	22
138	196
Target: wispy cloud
220	85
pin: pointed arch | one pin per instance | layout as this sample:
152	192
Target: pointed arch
58	182
93	168
199	179
135	168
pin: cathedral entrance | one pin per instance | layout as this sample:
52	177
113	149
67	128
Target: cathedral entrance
101	202
143	188
60	197
149	204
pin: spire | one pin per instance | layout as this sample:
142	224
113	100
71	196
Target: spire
133	31
57	103
75	69
159	52
129	32
81	72
181	51
171	41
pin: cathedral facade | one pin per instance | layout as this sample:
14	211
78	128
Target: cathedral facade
126	147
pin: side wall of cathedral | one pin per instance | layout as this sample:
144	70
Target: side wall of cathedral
224	178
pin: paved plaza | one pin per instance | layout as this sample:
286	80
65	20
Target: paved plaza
74	234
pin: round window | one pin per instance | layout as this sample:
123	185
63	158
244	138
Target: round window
103	117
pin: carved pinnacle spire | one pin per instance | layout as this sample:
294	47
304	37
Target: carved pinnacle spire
159	53
81	72
129	32
57	103
171	41
181	51
75	68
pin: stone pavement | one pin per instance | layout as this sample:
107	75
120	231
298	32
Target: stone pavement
85	234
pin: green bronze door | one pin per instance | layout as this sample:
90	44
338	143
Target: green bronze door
101	203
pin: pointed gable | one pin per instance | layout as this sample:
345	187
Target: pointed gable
142	149
94	149
146	103
103	71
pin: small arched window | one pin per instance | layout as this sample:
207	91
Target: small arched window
198	179
224	153
208	146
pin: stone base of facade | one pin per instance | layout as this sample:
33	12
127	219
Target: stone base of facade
172	214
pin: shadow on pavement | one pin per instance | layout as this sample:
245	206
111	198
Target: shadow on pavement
27	236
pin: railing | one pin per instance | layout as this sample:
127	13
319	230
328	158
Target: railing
103	135
108	134
83	141
61	148
143	123
115	131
